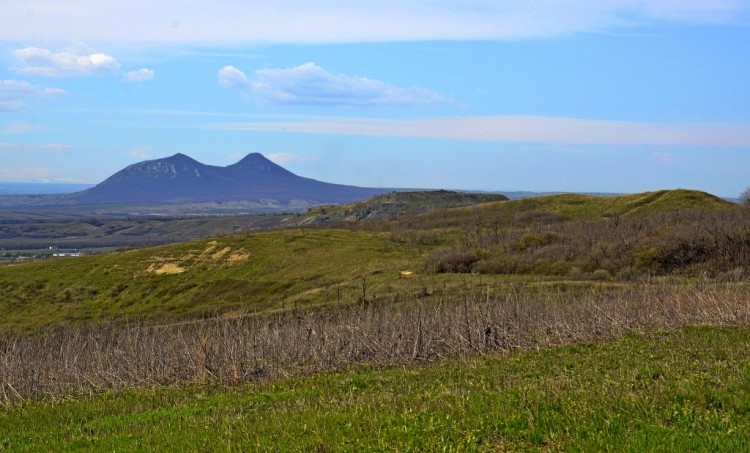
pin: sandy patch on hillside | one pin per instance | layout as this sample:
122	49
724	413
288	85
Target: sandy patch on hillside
217	255
238	257
212	257
165	269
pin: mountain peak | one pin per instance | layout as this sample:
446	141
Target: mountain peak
257	164
173	166
178	158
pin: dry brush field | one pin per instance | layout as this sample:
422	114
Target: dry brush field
464	322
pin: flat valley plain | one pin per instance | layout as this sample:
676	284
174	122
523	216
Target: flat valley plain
550	323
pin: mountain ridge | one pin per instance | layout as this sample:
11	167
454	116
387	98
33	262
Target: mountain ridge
181	179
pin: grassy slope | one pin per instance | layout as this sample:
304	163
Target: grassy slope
259	272
590	207
686	390
271	270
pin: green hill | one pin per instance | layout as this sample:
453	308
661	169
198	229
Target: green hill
588	207
674	231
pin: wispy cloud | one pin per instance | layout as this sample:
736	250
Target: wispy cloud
15	93
12	105
309	84
234	157
42	62
664	158
515	129
141	75
21	128
25	147
230	21
26	174
141	153
285	158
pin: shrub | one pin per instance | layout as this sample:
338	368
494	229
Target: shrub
745	197
647	258
600	275
531	240
453	260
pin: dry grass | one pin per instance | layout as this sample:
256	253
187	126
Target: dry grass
467	322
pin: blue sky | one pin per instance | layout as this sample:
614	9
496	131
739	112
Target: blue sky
541	95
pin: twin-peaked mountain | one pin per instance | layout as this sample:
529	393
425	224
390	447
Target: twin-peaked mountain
181	179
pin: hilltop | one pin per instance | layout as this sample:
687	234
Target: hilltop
588	207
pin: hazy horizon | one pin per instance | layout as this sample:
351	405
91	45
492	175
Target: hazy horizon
589	96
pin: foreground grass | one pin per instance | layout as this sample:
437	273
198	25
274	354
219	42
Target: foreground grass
672	391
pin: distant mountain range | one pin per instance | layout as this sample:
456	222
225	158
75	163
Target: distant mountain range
36	188
182	179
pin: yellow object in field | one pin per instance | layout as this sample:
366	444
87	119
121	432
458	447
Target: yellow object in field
406	273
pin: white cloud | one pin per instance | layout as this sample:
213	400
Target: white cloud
664	158
12	106
24	147
141	153
14	93
42	62
234	157
297	21
232	78
309	84
141	75
21	128
516	129
285	158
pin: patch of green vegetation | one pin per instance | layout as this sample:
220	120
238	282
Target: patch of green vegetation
253	272
686	390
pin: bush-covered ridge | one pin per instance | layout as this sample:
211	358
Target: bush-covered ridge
668	232
587	207
399	204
